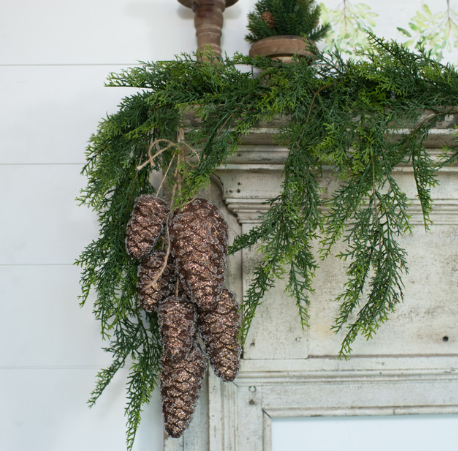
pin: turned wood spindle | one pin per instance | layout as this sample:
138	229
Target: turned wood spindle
208	21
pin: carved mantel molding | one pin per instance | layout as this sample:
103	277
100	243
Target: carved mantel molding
253	175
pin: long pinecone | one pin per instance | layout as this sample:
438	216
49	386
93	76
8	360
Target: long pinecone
149	293
198	236
181	383
145	225
177	323
219	330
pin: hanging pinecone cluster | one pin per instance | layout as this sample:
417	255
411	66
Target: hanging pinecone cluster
184	285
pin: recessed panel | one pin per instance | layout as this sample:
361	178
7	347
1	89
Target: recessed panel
360	433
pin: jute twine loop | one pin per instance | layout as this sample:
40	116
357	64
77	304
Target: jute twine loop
170	144
177	176
166	258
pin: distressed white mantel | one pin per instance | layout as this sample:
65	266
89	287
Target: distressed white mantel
411	367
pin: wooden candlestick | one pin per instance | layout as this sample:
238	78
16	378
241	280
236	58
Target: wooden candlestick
208	20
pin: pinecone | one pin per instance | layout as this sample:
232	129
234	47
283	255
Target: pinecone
268	18
150	294
181	383
145	225
198	237
219	330
177	322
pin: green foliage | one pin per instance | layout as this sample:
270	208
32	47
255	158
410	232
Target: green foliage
436	32
113	185
351	22
343	114
286	17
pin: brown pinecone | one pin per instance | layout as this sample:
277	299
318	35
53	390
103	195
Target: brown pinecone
181	383
268	18
145	225
150	294
219	330
177	323
198	237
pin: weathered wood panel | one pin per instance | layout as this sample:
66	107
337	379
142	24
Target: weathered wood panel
412	364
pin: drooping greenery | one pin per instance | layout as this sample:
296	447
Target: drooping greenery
343	115
286	17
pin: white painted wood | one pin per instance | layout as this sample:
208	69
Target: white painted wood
85	32
49	113
275	312
362	412
295	371
47	410
420	323
51	102
333	396
42	220
417	430
106	31
41	311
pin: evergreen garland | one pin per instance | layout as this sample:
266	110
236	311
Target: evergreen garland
343	114
286	17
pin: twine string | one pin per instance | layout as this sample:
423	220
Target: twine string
170	144
165	176
177	176
166	258
151	158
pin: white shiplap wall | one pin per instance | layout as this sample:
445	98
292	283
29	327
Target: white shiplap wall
54	59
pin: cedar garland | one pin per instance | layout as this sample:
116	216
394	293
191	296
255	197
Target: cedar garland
350	108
